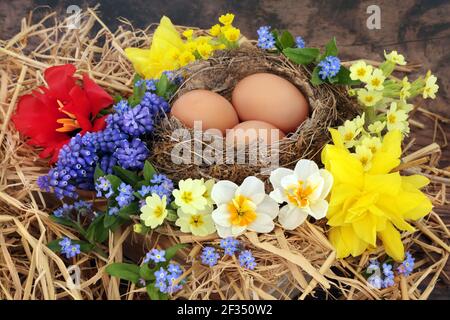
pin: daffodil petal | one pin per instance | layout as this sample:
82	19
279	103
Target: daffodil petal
223	192
305	168
392	242
291	217
318	209
262	224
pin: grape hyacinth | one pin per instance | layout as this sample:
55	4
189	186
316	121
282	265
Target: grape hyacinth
137	121
132	155
155	255
154	103
329	67
299	42
266	40
209	256
247	260
69	249
121	107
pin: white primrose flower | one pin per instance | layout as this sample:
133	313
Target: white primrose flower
244	207
304	189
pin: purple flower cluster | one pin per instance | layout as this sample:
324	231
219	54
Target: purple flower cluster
132	154
299	42
230	246
383	277
247	260
209	256
69	249
155	255
266	40
162	186
165	279
125	196
407	266
329	67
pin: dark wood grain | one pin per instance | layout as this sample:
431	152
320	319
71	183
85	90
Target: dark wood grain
420	29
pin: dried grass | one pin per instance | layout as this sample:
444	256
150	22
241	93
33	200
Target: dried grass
296	264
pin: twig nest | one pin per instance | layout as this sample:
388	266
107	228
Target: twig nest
182	152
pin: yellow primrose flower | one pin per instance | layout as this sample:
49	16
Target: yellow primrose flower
397	119
430	86
209	184
376	80
377	127
395	57
360	71
349	131
215	30
366	205
226	19
364	155
199	223
205	50
369	98
373	143
359	121
150	63
189	195
185	58
244	207
154	211
304	189
188	33
232	34
190	46
405	92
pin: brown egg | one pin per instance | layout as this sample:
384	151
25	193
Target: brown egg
270	98
202	105
248	131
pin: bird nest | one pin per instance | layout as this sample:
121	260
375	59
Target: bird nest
291	264
329	106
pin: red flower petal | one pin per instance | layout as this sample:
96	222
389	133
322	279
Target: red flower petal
60	80
98	97
99	124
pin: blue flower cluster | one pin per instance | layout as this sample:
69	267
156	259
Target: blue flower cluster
81	207
329	67
69	249
125	196
230	246
118	144
165	279
407	266
155	255
299	42
209	256
162	186
266	40
388	280
103	188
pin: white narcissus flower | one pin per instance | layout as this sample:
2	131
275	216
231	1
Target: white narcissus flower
304	189
244	207
199	223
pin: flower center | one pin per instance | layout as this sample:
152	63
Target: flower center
242	211
158	211
361	72
68	124
392	118
369	98
299	194
196	220
376	82
348	136
187	197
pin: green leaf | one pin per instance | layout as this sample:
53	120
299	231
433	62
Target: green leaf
172	251
152	291
96	231
161	86
109	220
129	210
98	173
315	79
117	98
125	271
64	221
286	40
146	273
127	176
331	48
301	55
115	181
343	77
149	171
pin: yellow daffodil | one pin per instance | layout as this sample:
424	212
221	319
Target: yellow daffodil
241	208
430	86
232	34
304	189
397	119
377	127
349	131
205	50
226	19
189	195
376	80
395	57
199	223
188	33
154	211
373	143
360	71
185	58
369	98
405	92
215	30
375	203
150	63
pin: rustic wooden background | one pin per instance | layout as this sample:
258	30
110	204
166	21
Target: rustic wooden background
419	29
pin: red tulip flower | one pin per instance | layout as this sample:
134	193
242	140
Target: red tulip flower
51	115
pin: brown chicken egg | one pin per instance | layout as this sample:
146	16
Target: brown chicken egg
270	98
248	131
213	110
